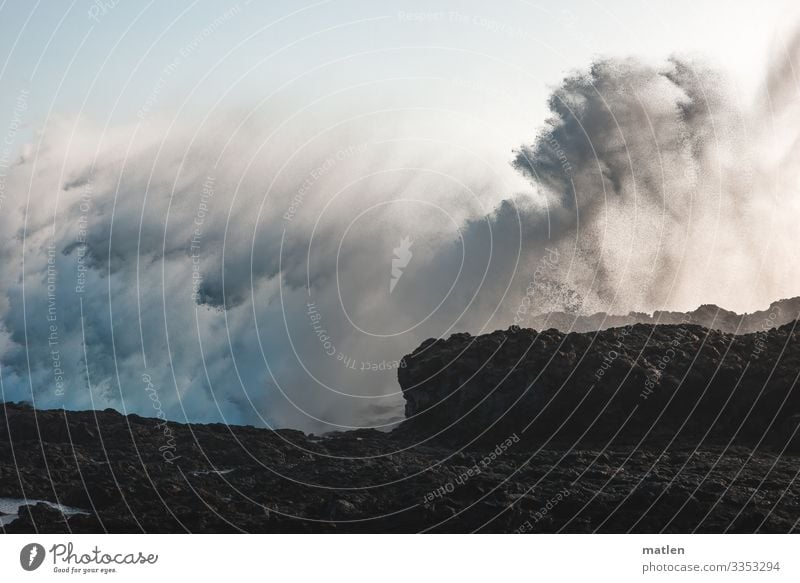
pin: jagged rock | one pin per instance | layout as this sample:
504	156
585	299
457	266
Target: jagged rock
708	316
463	461
642	382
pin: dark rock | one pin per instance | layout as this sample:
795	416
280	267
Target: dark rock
643	382
708	316
514	431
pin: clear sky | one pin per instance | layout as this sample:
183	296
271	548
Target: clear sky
109	59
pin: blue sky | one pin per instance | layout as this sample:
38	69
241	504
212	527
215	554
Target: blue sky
107	59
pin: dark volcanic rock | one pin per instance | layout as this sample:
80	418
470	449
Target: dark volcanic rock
708	316
643	383
507	432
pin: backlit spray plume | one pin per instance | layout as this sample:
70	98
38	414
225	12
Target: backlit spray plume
127	254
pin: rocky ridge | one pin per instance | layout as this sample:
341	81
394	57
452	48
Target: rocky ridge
708	316
640	384
644	429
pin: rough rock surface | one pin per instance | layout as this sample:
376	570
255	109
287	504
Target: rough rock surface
709	316
643	383
721	456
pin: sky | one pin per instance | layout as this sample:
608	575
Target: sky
105	59
249	212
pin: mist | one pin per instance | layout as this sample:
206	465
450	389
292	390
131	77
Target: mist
244	271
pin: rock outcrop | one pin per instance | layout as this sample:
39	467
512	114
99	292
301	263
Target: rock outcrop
643	383
642	429
708	316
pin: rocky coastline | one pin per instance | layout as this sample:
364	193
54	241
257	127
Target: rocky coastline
643	428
